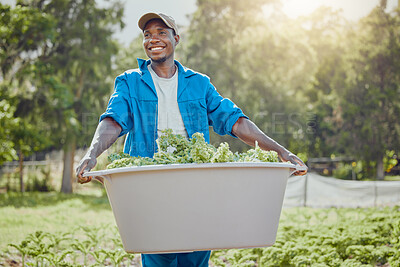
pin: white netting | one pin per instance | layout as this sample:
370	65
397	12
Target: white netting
317	191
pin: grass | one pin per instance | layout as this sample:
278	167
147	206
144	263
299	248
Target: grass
306	236
392	178
22	214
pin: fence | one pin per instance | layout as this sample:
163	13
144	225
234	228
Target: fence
317	191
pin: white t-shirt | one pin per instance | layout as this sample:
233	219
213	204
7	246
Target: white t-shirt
169	115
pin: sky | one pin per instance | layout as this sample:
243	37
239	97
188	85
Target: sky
180	9
134	9
352	9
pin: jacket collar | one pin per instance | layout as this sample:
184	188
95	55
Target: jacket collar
183	73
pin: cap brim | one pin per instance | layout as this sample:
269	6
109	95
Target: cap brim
149	16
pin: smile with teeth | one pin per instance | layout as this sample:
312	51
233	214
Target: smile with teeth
157	48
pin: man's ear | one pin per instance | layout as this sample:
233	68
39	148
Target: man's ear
177	38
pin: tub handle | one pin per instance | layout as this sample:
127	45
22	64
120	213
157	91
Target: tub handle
101	178
298	168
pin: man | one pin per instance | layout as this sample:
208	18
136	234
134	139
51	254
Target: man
162	94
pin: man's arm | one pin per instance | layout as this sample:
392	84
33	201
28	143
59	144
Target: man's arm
248	132
106	134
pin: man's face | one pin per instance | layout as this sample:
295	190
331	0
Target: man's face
159	42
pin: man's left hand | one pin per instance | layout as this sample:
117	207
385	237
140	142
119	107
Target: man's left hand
288	156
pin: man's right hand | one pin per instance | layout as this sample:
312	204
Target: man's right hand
106	133
85	165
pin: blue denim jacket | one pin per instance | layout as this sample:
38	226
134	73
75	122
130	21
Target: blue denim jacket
133	105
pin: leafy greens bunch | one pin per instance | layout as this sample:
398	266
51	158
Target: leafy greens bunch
176	149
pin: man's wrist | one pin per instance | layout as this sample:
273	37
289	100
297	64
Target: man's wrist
283	152
91	154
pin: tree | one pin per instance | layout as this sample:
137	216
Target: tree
24	34
75	74
371	101
23	37
27	138
64	49
327	34
259	61
127	56
7	122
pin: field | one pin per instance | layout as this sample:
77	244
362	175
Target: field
52	229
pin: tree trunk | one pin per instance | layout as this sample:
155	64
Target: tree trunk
68	170
21	171
380	172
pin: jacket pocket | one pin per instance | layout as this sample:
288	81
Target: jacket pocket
195	116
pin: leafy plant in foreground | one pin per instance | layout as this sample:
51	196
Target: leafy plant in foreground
306	237
83	246
326	237
176	149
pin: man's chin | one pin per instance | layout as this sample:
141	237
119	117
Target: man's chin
159	60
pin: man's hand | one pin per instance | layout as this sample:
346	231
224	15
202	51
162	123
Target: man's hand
85	165
248	132
106	133
288	156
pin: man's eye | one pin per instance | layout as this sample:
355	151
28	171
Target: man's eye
163	32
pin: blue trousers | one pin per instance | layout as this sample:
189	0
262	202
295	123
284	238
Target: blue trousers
189	259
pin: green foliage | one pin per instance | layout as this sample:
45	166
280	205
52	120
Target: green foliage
200	151
74	75
24	31
117	156
223	154
79	247
389	161
7	122
173	144
317	84
306	236
175	148
354	92
327	32
326	237
40	182
127	56
258	155
59	230
370	99
37	179
352	170
33	200
260	62
55	58
28	138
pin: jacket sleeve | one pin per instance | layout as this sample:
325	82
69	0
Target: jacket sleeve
119	106
222	112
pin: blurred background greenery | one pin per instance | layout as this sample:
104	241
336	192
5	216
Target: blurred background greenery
325	87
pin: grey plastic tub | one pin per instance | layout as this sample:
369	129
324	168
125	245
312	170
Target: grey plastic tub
190	207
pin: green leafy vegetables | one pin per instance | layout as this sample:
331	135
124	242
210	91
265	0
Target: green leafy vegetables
176	149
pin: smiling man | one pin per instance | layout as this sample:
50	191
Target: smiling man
160	39
163	94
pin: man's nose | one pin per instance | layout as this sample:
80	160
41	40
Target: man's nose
154	38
